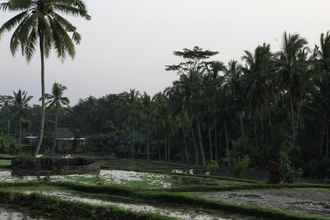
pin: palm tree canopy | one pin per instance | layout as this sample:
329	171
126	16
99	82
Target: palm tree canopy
56	99
42	18
21	103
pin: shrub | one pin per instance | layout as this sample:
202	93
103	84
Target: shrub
324	168
318	168
7	145
275	173
122	151
241	167
287	171
212	166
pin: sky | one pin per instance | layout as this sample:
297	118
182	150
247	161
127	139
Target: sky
127	43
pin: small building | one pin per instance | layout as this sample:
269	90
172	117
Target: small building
68	142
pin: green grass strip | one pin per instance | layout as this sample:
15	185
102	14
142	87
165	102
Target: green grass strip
60	209
165	197
179	199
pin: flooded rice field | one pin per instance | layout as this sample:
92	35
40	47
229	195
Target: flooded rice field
106	176
7	213
127	178
310	200
305	201
177	213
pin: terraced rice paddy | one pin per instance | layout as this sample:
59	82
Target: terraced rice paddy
7	213
133	179
152	193
308	201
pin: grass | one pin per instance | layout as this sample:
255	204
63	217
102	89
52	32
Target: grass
60	209
5	163
179	195
181	199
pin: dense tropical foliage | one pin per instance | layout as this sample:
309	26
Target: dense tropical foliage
270	106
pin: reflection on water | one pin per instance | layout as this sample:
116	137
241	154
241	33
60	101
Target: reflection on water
11	214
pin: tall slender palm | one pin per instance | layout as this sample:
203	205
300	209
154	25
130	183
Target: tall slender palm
231	97
321	95
259	71
293	73
20	107
39	21
57	102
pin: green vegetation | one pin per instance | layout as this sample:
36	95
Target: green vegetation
40	22
57	208
270	102
5	163
241	166
175	199
265	114
7	145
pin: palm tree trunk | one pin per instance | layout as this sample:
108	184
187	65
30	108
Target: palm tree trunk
55	134
133	144
322	138
293	123
43	106
201	145
241	121
8	127
148	147
186	154
216	141
210	143
195	146
20	131
327	142
165	149
169	149
226	139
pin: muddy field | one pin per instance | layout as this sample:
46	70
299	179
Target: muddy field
10	213
308	200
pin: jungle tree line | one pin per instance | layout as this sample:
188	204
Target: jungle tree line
19	119
266	103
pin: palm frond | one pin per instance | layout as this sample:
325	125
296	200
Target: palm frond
11	23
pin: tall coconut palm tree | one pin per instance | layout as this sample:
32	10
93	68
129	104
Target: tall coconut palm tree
259	71
57	102
20	107
40	21
321	95
293	74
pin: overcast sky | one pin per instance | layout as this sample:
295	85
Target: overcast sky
128	42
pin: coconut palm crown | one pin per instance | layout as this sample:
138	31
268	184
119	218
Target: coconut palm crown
41	21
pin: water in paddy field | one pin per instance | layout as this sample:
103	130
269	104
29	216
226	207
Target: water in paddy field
12	214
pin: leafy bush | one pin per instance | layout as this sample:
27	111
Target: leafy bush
318	168
212	166
275	172
324	168
122	151
7	145
288	172
241	167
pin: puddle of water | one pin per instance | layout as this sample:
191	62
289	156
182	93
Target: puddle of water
108	176
12	214
123	177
